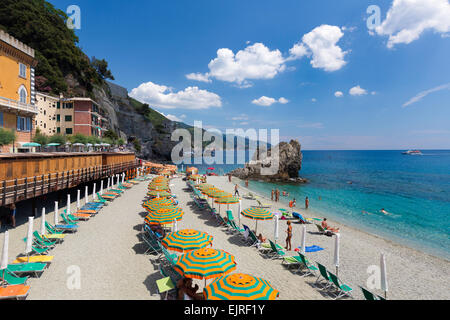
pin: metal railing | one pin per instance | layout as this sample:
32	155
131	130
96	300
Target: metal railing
12	191
6	102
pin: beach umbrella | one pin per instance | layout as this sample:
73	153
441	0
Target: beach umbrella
107	184
155	208
159	194
336	252
29	242
94	195
156	201
159	188
4	261
68	204
53	145
240	286
43	222
86	195
164	216
31	145
384	283
276	219
78	199
257	214
303	248
123	178
227	200
56	219
101	187
186	240
205	263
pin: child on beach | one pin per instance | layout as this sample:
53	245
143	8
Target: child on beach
236	191
289	236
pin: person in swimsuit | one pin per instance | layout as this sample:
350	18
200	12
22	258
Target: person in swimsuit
327	227
289	236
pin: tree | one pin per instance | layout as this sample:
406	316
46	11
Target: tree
57	138
78	138
121	142
111	135
40	138
7	137
102	68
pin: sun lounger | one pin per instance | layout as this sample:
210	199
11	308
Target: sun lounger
9	278
33	259
323	231
103	198
368	295
14	292
165	285
249	196
61	227
276	252
43	241
291	261
27	268
300	218
341	288
67	220
323	276
253	238
305	264
262	205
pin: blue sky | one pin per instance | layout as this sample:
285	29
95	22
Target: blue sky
302	51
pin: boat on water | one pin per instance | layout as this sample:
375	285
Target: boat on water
413	153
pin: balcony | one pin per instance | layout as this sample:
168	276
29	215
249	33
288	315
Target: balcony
18	106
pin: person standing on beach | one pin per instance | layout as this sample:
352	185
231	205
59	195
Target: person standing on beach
273	192
289	236
246	183
236	191
277	195
229	178
12	208
306	203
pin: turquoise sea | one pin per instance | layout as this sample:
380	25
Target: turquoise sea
353	186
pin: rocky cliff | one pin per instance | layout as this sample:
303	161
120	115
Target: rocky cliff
153	136
289	164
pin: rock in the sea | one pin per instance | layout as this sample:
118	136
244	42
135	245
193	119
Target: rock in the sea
289	164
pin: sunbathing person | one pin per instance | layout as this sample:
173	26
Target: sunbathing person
327	227
158	229
185	288
261	238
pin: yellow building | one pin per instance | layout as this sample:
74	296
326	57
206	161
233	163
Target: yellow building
17	93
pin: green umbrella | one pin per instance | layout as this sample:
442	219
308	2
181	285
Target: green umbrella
53	145
31	144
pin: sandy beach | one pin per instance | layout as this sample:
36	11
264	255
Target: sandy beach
108	253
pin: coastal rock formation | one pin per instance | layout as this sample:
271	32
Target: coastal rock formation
155	141
290	163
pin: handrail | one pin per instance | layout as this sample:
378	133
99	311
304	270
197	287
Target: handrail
12	191
18	105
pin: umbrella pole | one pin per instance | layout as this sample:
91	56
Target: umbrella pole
256	228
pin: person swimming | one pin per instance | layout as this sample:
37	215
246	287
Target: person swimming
384	212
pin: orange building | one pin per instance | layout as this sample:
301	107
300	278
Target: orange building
17	93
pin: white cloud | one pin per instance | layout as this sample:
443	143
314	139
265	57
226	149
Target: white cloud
338	94
267	101
163	97
199	77
241	117
283	100
357	91
314	125
406	20
256	61
314	100
321	44
423	94
264	101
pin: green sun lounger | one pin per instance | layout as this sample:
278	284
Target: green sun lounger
291	261
43	241
368	295
10	278
323	276
305	264
27	268
276	252
341	288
